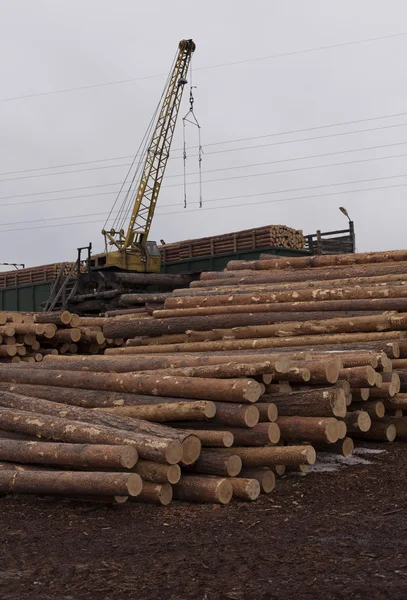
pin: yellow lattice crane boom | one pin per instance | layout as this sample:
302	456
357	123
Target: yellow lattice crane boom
129	249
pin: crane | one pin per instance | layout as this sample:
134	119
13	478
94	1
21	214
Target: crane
130	250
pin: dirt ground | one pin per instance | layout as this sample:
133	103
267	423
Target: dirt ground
329	535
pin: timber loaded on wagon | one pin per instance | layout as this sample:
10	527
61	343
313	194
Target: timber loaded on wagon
33	288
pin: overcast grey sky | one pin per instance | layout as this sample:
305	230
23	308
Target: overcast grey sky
51	45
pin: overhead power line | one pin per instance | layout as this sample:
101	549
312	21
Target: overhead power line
312	187
218	143
187	212
330	135
215	66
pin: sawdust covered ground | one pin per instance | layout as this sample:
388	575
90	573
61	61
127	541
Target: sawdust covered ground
331	535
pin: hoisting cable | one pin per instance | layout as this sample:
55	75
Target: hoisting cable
190	117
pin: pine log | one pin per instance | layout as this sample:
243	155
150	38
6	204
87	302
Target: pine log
359	394
114	364
268	456
155	493
195	488
344	447
357	421
161	413
311	429
374	408
233	390
57	318
322	402
157	472
213	439
259	435
131	299
67	483
244	488
359	377
82	456
398	401
8	351
265	477
268	412
212	462
381	431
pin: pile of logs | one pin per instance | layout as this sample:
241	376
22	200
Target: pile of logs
248	373
279	236
28	337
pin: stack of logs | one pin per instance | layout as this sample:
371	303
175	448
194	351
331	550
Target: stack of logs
279	236
28	337
250	372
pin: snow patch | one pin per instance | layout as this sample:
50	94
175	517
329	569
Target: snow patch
369	451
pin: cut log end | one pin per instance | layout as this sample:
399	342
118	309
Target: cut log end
342	429
347	447
234	465
391	433
174	452
129	457
310	455
210	410
134	484
252	416
191	449
253	391
364	421
274	433
331	431
173	474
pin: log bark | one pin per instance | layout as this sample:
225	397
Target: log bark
212	462
233	390
157	472
273	455
322	402
244	488
310	429
77	456
154	493
68	483
195	488
265	477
